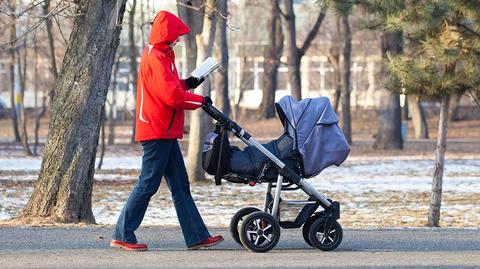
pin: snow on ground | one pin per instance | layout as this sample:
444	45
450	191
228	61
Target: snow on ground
395	191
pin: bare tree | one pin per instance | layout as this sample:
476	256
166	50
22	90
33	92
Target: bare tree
102	139
200	123
192	14
133	60
347	52
12	51
51	46
294	53
455	107
113	105
333	56
272	54
222	99
64	188
389	134
22	76
418	117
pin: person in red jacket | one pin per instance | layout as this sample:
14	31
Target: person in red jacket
162	98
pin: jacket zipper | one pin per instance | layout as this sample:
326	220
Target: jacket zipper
171	121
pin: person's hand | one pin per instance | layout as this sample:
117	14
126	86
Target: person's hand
193	82
207	100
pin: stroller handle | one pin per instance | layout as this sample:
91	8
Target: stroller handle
215	113
225	121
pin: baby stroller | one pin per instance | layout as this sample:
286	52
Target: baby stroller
311	141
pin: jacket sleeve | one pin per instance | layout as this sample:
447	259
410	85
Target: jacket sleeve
169	89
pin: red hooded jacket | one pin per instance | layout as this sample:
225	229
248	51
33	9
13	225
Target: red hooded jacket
161	96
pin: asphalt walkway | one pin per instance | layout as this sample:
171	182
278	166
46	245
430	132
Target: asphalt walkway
87	247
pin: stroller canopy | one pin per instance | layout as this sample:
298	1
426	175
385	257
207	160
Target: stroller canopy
313	124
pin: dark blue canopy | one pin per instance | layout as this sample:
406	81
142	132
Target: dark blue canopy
313	124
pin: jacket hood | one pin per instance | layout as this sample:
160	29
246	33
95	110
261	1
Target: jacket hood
166	29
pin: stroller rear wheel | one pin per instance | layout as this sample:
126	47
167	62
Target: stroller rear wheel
259	232
325	239
237	220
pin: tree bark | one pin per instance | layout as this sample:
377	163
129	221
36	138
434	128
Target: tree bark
51	48
294	53
200	123
222	99
272	54
293	59
102	137
347	51
13	93
113	106
436	194
418	117
133	61
38	115
23	115
194	20
334	60
389	114
455	108
63	191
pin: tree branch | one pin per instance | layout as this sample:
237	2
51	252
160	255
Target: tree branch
277	6
34	27
313	32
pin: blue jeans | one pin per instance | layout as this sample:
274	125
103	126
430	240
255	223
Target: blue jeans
161	158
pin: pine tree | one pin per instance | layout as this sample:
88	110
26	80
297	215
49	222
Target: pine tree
441	59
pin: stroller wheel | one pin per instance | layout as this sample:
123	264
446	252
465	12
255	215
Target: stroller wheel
325	239
237	220
306	228
259	232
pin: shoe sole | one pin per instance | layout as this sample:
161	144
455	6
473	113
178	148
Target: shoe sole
127	249
206	246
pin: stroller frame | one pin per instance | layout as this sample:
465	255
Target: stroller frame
322	222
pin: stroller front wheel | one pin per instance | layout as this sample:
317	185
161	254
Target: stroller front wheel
323	238
237	220
259	232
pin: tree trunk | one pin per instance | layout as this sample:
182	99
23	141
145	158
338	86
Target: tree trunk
244	82
194	20
35	88
23	115
389	114
334	60
64	188
13	92
455	108
272	54
51	48
200	123
222	99
294	53
436	194
102	137
293	59
418	117
347	51
133	61
113	106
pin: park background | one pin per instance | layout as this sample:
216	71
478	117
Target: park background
343	47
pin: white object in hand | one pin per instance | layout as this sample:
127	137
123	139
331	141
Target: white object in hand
205	68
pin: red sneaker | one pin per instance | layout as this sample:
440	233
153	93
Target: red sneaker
209	242
128	246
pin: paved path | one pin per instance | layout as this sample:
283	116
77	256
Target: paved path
390	248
